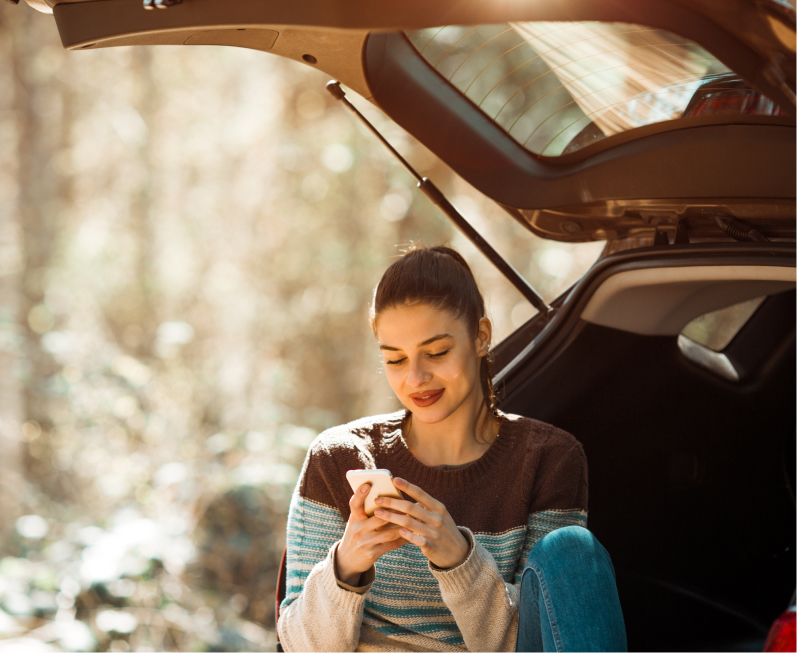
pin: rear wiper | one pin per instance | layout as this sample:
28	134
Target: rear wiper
436	196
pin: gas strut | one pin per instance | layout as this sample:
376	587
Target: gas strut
436	196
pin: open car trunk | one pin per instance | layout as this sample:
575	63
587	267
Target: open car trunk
691	473
567	163
691	454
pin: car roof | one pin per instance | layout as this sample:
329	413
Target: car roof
635	182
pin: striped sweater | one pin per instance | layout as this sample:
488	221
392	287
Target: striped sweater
530	481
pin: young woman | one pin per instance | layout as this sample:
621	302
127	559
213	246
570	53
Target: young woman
489	551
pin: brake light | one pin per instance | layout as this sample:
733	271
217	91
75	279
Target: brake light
734	102
782	634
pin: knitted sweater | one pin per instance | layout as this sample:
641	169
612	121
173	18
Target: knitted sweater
530	481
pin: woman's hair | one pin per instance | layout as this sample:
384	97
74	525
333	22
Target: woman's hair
439	277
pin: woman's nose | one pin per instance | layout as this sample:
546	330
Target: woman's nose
417	375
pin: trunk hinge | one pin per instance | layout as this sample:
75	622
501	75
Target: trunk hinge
436	196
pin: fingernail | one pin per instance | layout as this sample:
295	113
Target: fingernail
379	512
364	489
378	500
399	481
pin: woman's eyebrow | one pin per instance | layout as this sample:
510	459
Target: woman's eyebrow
439	336
429	341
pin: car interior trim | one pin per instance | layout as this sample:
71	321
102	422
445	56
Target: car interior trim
542	343
617	219
112	23
660	302
714	361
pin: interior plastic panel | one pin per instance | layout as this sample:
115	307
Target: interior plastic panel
663	301
526	351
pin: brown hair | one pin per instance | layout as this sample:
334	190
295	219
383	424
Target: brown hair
440	277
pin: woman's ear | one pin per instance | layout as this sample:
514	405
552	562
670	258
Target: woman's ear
484	337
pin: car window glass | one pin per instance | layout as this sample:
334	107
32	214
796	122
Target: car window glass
715	330
556	87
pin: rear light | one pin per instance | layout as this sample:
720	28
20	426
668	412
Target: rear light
733	102
781	636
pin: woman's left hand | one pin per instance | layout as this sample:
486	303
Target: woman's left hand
427	524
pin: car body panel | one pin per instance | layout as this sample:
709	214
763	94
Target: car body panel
748	36
702	163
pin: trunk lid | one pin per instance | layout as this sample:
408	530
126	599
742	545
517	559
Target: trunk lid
585	119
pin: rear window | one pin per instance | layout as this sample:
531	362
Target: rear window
557	87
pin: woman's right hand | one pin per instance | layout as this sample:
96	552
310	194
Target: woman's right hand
366	539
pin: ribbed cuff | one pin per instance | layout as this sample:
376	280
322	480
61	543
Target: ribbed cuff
461	578
367	578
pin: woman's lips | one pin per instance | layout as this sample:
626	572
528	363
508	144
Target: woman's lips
423	399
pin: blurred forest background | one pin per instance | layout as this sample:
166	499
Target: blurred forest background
189	239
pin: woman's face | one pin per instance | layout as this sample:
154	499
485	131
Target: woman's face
431	360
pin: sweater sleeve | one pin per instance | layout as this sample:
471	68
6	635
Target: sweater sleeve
317	613
484	605
558	494
325	616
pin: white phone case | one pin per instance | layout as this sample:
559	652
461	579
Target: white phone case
381	481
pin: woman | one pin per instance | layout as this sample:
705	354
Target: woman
490	552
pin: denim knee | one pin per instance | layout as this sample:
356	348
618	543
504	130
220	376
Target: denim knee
569	589
570	540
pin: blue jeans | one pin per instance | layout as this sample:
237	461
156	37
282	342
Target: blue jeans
568	596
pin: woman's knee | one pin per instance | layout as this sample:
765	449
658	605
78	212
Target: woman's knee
567	538
570	576
572	543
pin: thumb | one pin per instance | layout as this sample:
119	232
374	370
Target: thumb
357	502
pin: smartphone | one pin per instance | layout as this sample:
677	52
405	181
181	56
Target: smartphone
381	481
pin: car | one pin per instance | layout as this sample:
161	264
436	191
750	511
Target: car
665	128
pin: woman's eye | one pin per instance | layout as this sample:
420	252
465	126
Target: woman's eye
399	361
441	354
